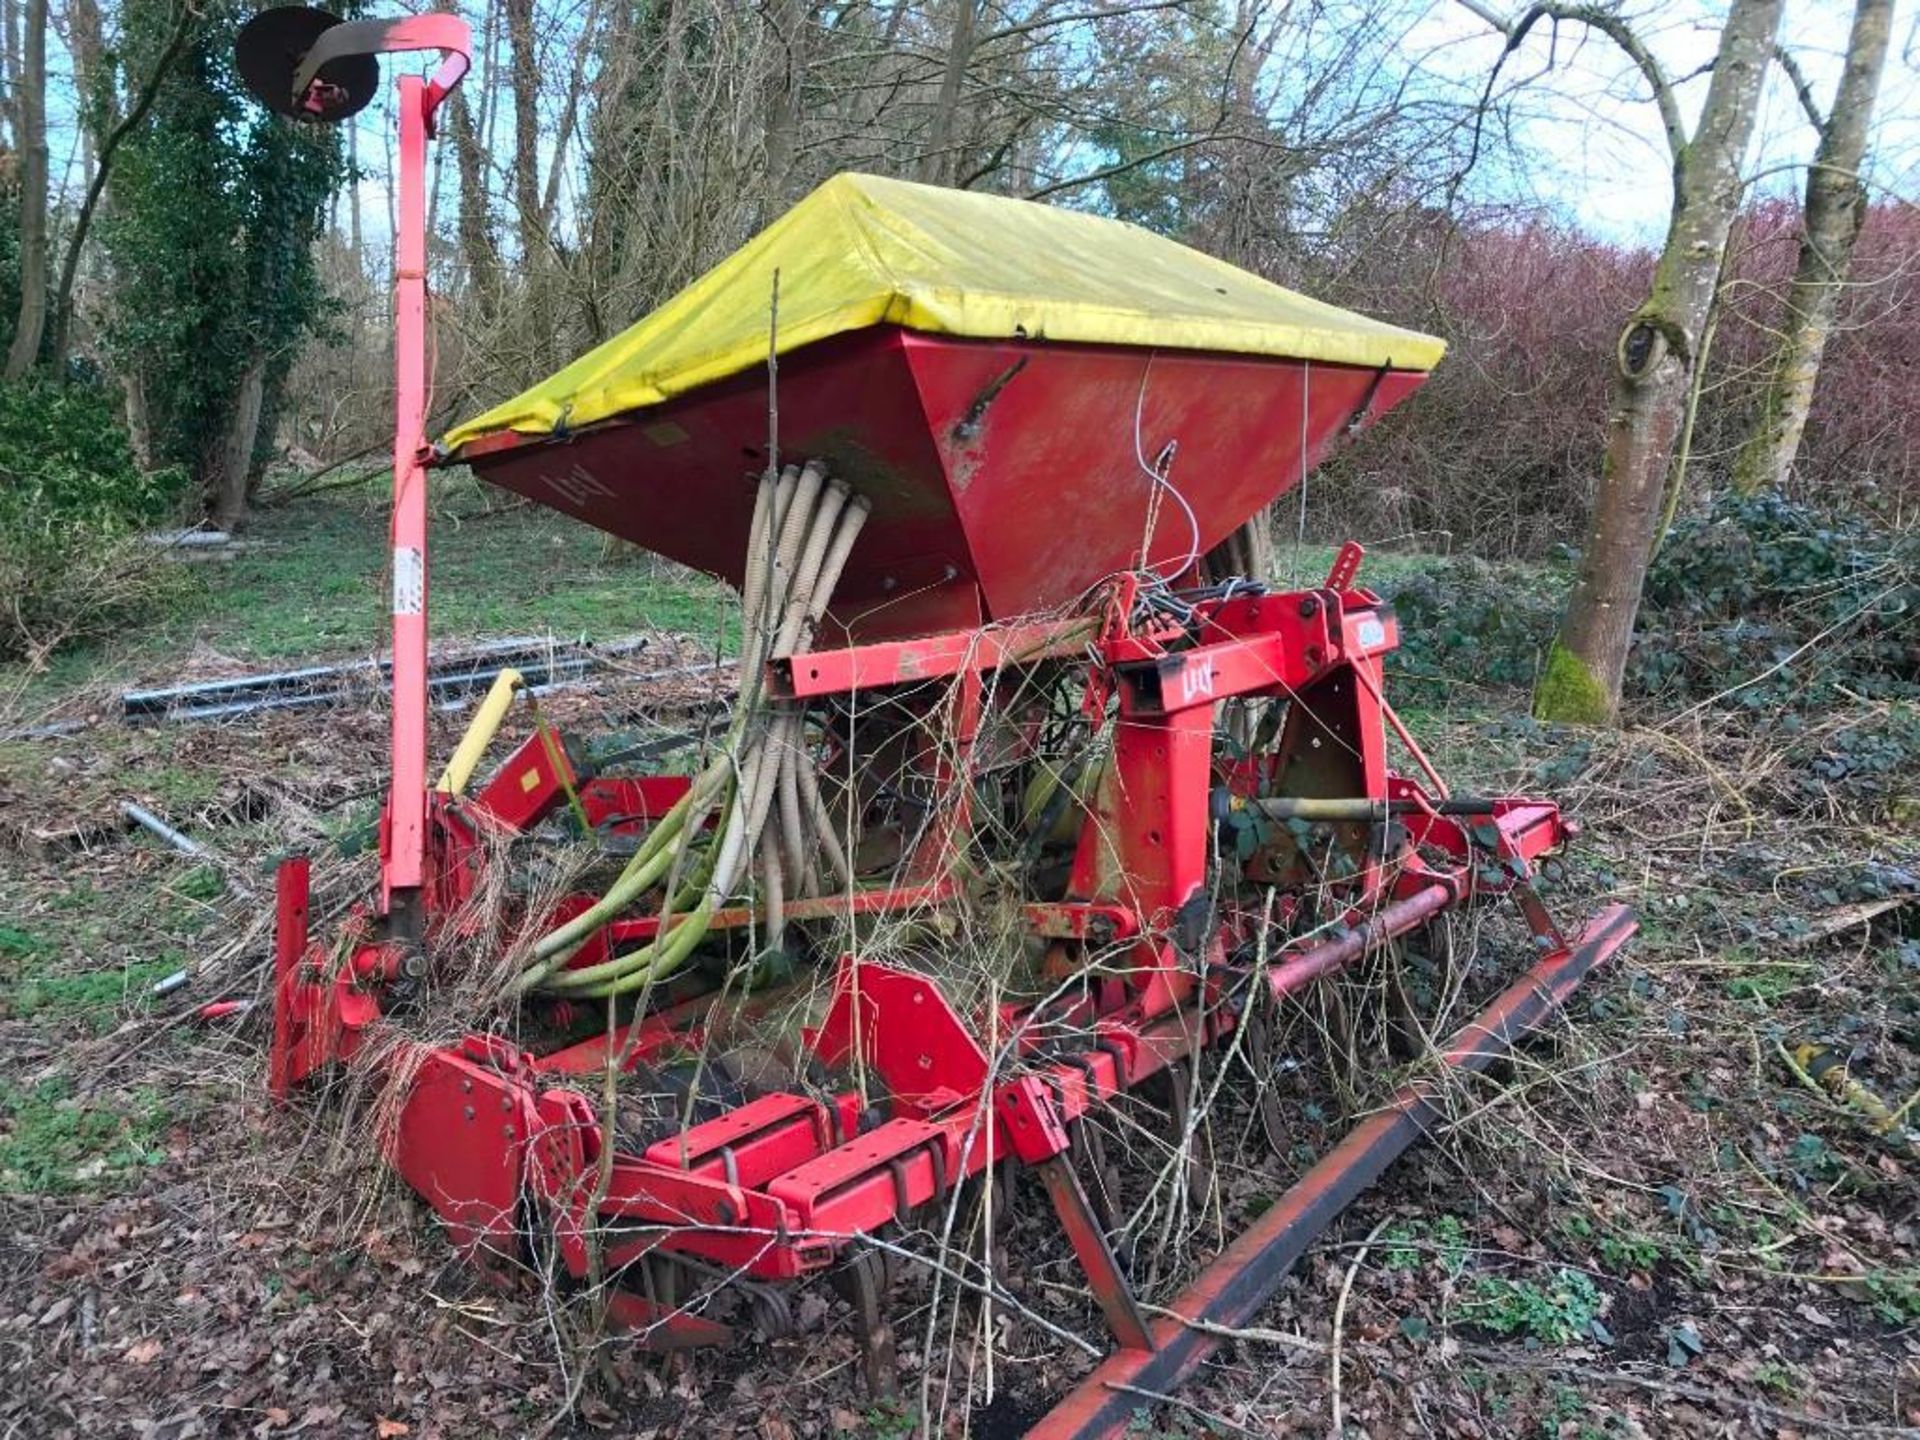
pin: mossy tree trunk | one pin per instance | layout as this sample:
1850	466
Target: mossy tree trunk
1834	209
232	468
1654	360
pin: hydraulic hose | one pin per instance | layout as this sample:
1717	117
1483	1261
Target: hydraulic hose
806	582
823	826
792	846
773	818
851	520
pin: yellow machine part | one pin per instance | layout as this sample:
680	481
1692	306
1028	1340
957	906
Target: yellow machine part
480	732
862	251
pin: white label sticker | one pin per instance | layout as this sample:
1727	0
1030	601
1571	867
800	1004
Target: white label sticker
409	581
1370	633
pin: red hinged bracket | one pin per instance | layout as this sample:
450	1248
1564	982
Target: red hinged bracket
1030	1119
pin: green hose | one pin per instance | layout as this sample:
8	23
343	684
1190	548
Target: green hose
803	526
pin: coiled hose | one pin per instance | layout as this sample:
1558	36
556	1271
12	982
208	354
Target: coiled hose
761	782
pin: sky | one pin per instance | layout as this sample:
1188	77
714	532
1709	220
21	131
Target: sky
1600	157
1593	148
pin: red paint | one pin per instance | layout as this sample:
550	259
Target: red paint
1005	478
292	886
954	466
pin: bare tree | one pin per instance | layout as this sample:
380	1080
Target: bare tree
789	20
937	161
31	118
1658	346
1834	209
525	66
479	254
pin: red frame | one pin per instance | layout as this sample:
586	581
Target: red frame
786	1185
783	1186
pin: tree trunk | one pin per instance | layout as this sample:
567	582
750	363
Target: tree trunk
353	198
139	420
31	115
1835	208
477	249
937	160
10	68
233	465
526	128
1653	364
789	19
590	39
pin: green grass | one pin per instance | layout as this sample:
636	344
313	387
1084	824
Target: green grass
312	586
31	988
95	996
319	581
53	1142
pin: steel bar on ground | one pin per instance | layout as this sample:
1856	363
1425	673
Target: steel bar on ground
1231	1291
1296	972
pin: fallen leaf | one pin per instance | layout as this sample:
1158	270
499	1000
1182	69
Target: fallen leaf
143	1352
387	1429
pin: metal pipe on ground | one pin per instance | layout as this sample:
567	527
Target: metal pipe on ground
542	662
1230	1292
1302	807
1296	972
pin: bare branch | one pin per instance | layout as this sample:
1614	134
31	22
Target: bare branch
131	121
1616	29
1784	58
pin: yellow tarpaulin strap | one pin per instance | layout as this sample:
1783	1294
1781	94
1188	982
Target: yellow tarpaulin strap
863	251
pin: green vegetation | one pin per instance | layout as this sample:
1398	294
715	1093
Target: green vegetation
1413	1244
217	206
95	996
53	1142
33	987
310	586
1777	609
1562	1311
70	493
1570	692
316	582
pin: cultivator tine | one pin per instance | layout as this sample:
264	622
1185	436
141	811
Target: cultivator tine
1103	1182
1259	1054
863	1283
1193	1146
1089	1241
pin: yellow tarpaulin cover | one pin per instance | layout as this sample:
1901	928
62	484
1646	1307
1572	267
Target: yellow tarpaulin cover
863	251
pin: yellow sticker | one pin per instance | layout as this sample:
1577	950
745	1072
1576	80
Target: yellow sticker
530	780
